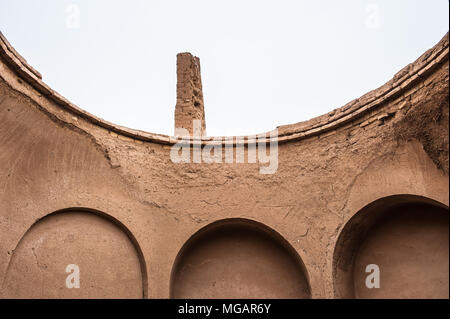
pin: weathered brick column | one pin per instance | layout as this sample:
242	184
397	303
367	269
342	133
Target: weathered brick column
190	105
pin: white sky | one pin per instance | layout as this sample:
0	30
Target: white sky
264	63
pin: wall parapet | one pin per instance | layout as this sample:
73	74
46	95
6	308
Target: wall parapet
402	81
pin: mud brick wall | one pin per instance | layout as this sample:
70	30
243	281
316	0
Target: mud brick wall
365	183
190	104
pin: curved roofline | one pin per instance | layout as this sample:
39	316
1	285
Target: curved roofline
402	81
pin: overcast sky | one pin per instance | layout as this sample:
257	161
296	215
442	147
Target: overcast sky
264	63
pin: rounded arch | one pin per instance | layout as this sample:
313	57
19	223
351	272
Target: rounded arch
400	232
238	258
110	260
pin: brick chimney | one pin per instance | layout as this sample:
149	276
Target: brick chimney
189	96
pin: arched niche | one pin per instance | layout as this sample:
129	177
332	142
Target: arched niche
238	258
407	237
107	255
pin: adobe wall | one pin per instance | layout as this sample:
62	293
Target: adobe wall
190	104
57	160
